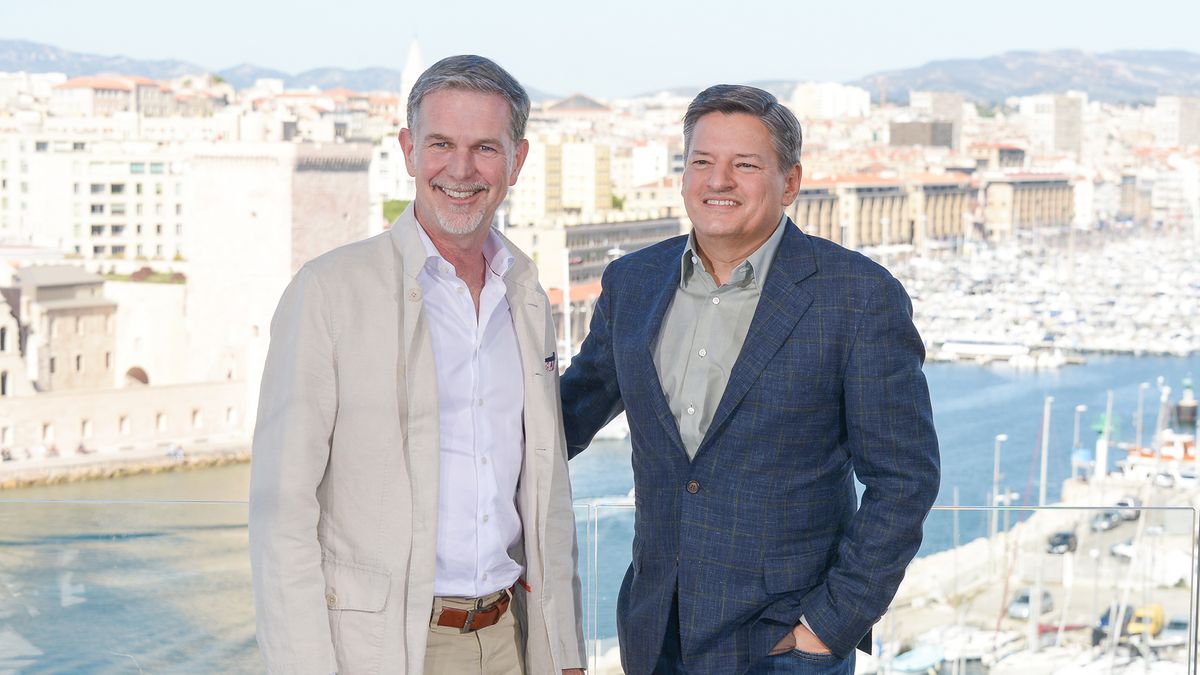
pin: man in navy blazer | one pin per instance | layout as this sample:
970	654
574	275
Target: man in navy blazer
761	370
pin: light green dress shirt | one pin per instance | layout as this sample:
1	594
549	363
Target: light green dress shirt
702	335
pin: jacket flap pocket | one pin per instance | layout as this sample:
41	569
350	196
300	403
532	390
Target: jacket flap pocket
782	574
355	587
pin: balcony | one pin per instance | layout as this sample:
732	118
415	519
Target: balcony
164	586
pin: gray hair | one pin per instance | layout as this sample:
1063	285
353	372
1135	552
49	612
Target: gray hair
735	98
472	73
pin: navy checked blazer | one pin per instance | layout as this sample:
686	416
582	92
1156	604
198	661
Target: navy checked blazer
763	526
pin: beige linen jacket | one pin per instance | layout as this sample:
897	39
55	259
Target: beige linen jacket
344	476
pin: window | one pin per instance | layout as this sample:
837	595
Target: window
108	360
97	230
197	419
138	229
160	422
179	209
158	229
4	383
118	230
97	208
123	425
157	167
118	209
3	338
139	188
229	418
137	167
118	188
118	250
78	363
6	436
85	428
178	229
47	432
41	146
97	188
138	209
99	250
51	365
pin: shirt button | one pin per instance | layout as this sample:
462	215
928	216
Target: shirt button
331	600
695	260
480	400
691	410
483	460
485	576
716	301
703	352
486	517
693	486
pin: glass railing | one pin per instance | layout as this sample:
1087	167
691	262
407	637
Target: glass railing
117	587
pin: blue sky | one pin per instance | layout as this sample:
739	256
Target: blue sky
605	48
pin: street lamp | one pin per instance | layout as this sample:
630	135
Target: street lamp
1000	438
1079	410
1045	449
1141	394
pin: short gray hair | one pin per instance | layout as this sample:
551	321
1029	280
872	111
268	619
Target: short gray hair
472	73
735	98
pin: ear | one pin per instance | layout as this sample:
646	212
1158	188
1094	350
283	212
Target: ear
406	144
791	184
518	161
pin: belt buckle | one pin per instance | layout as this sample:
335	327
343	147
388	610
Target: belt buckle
466	627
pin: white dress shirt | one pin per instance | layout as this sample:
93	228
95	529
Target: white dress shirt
480	422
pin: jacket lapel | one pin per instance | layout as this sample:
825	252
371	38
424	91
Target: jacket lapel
780	306
662	284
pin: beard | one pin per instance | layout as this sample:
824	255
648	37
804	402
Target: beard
459	220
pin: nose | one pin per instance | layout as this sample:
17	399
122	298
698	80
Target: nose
461	164
720	178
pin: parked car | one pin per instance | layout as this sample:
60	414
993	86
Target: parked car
1164	479
1185	479
1105	521
1176	632
1019	607
1100	631
1122	550
1129	507
1147	619
1062	542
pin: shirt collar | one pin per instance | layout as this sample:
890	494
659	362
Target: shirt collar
499	259
752	270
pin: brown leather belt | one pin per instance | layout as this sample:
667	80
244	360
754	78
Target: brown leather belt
467	620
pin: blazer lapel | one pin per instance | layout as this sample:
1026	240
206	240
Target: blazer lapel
416	377
660	292
780	306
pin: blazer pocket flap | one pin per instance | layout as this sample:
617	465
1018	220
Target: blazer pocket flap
355	587
782	574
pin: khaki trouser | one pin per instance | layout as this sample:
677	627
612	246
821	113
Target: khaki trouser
495	650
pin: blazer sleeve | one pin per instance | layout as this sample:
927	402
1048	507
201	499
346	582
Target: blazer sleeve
894	448
591	396
297	407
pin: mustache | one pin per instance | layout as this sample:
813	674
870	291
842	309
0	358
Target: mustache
459	187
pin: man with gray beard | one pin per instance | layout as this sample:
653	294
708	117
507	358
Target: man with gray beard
410	510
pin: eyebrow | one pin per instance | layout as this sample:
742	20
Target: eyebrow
740	155
442	137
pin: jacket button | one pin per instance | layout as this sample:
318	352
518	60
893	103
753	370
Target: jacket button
331	600
693	486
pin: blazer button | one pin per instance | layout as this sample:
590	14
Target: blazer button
331	600
693	486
